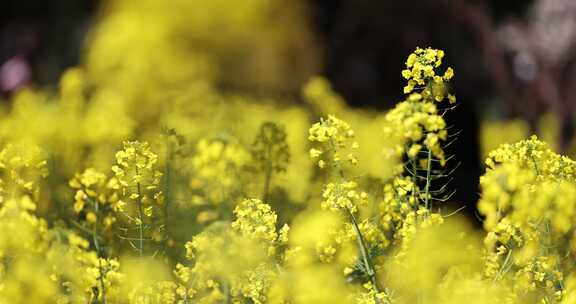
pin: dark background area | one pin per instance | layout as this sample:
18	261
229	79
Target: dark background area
47	35
361	39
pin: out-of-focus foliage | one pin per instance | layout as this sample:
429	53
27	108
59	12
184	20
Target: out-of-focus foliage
145	179
493	133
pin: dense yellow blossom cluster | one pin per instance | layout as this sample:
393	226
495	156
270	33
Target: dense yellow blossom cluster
142	181
418	122
422	77
528	200
343	196
217	165
256	220
94	197
336	137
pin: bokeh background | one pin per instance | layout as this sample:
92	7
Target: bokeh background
515	60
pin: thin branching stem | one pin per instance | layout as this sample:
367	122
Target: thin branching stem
414	180
365	256
427	187
366	260
268	174
98	251
140	219
503	268
167	192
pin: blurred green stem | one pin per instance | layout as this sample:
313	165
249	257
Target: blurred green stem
365	256
98	250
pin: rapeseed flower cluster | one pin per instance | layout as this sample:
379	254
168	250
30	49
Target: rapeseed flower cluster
343	196
270	152
528	200
256	220
422	77
94	198
217	165
336	138
137	180
22	168
418	121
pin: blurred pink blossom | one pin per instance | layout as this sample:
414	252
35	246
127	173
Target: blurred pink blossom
14	73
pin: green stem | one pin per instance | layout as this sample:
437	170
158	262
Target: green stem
226	290
365	258
503	269
167	197
98	251
535	165
360	238
140	219
140	223
415	188
427	187
267	180
268	174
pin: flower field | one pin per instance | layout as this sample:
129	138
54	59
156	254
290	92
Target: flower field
141	180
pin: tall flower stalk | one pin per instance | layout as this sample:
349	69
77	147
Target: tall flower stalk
138	182
271	153
334	151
